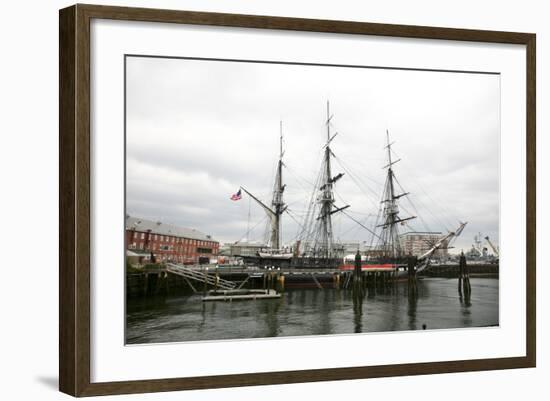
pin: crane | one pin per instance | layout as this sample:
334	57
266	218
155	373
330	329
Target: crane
494	248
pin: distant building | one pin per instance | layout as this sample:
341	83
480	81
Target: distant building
474	253
245	248
225	249
310	247
417	242
150	241
351	247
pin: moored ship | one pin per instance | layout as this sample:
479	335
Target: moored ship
388	253
316	246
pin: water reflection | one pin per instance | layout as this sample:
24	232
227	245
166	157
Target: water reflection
358	298
271	313
313	312
465	302
411	310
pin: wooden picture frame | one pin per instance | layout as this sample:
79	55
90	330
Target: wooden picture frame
74	199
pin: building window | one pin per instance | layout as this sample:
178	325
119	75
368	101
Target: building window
142	235
204	250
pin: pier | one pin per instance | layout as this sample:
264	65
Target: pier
174	278
171	278
453	271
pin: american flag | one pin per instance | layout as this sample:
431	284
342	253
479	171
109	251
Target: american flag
237	196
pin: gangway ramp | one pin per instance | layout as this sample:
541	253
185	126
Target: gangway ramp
201	276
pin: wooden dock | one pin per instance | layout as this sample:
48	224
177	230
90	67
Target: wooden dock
239	282
240	295
235	278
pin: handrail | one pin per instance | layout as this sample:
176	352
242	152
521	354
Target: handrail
201	276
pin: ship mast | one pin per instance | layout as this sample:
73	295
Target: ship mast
278	206
325	245
277	203
390	233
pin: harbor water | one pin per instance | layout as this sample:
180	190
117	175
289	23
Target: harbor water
313	311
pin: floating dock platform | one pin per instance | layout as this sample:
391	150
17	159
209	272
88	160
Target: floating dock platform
240	295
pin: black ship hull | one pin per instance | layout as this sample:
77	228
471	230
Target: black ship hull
296	262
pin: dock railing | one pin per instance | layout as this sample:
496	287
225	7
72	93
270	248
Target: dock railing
200	275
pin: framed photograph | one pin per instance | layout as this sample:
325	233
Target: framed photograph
249	200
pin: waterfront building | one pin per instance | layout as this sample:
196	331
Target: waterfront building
150	241
246	248
225	249
418	242
351	247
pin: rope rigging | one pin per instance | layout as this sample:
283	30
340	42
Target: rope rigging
316	227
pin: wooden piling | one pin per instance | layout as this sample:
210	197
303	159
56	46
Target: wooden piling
464	278
281	280
357	272
461	262
411	263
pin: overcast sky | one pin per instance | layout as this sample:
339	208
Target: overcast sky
197	130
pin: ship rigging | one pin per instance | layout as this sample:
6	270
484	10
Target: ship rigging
319	233
278	207
390	242
315	244
389	251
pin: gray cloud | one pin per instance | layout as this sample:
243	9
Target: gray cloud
197	130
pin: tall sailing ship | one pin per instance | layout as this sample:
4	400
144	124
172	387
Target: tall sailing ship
316	246
388	253
274	253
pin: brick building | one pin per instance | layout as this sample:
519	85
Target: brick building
149	241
